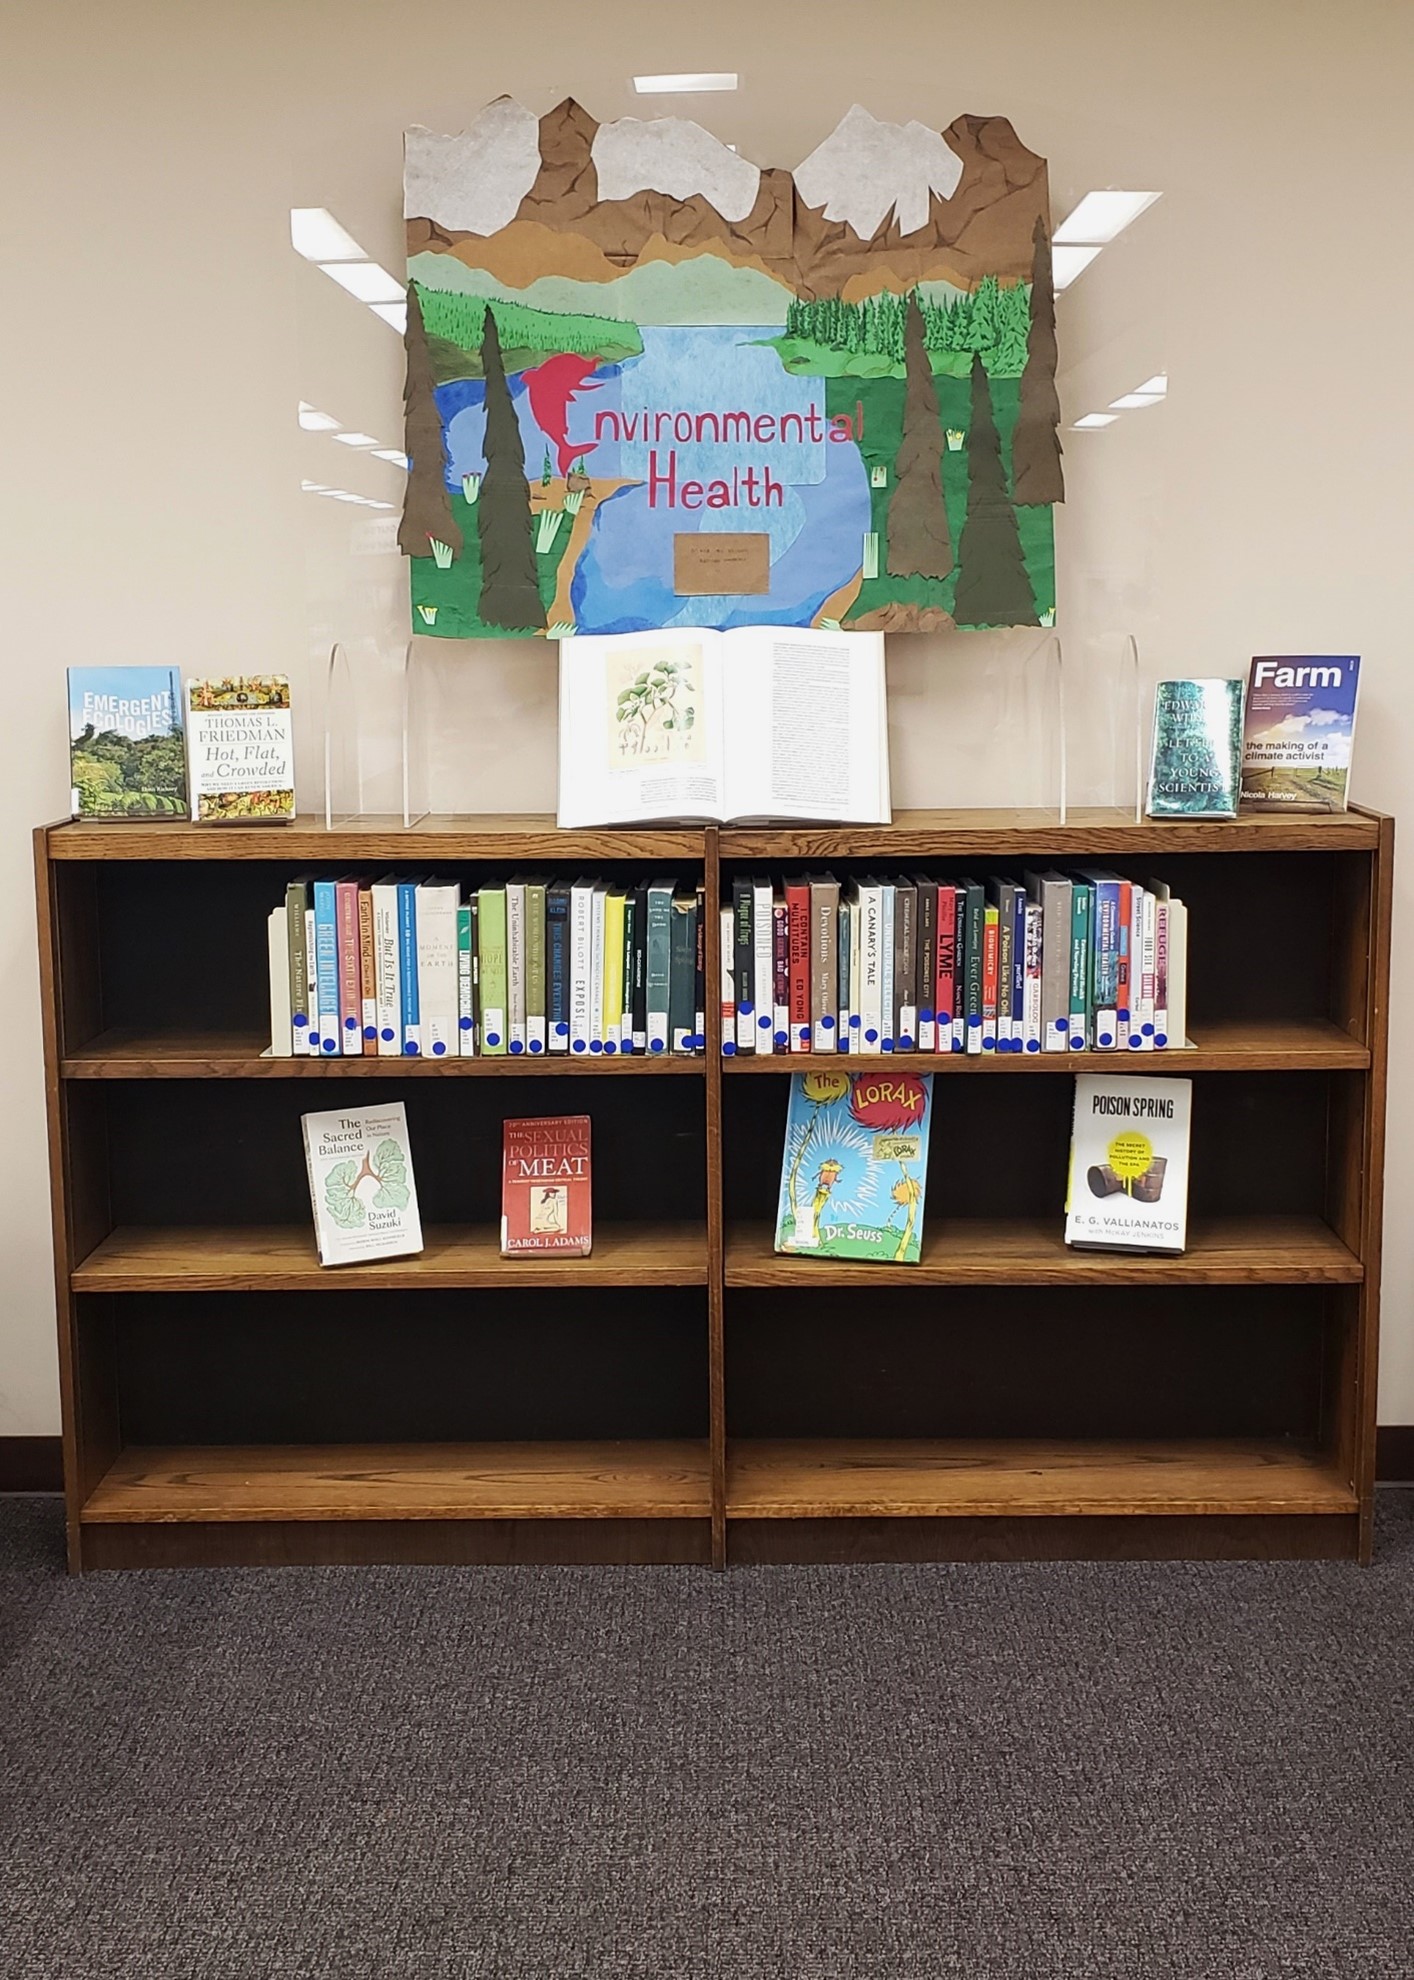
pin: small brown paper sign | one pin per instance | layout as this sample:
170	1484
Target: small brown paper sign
709	565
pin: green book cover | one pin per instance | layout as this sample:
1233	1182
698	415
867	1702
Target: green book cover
535	1027
1080	1008
491	955
855	1165
1196	767
126	753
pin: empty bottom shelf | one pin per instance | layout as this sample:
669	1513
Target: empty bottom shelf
870	1478
167	1483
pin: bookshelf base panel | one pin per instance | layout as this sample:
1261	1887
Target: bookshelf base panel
1250	1537
399	1543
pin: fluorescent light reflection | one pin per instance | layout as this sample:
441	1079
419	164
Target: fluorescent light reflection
314	421
692	83
317	235
1093	420
366	280
356	439
1101	216
394	313
1068	262
391	454
1132	400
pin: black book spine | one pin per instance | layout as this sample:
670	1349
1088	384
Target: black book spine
743	962
638	1006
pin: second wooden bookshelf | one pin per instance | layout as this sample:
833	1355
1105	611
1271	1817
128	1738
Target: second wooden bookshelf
686	1394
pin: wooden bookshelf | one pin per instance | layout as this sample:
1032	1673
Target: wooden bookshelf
686	1394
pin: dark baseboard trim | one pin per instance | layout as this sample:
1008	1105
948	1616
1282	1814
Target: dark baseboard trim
1394	1454
31	1464
36	1464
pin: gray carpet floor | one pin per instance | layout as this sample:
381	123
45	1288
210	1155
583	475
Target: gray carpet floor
999	1773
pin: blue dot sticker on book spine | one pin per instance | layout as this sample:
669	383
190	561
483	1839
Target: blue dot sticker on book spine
351	1024
827	1023
886	1044
780	1040
517	1046
745	1010
1033	1044
1062	1024
596	1044
763	1024
610	1047
1147	1029
728	1048
854	1024
386	1034
957	1045
464	1023
370	1034
579	1045
330	1044
494	1038
944	1018
410	1051
536	1046
1077	1044
562	1030
871	1036
300	1020
1136	1044
804	1031
989	1044
438	1049
657	1045
925	1017
1105	1038
974	1024
1161	1038
905	1043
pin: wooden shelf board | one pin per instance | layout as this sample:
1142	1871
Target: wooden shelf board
522	837
809	1478
282	1258
235	1055
161	1484
1230	1251
1218	1045
1003	833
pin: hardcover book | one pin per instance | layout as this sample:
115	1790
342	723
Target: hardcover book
240	746
855	1165
1298	733
546	1186
360	1184
125	743
1195	766
1129	1164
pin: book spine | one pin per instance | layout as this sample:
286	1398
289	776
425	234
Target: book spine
350	987
311	983
1018	969
580	943
1104	965
1161	974
466	1020
780	973
888	918
536	1033
326	963
972	965
612	1016
598	904
905	967
726	966
844	991
871	961
1079	1030
491	950
639	1027
387	991
1031	994
798	912
856	936
743	951
557	1002
1005	938
630	947
1146	1011
658	966
410	1012
515	965
927	965
282	1030
296	906
945	998
824	964
367	969
437	969
699	971
1124	961
763	987
1055	964
990	951
682	971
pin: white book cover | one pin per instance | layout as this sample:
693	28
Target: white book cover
360	1184
581	948
1031	1008
726	975
1178	975
282	1027
870	998
1129	1163
241	750
310	1034
856	939
387	986
887	901
763	937
439	1011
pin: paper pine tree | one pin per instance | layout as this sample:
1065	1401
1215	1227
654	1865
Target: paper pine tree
427	509
992	586
920	541
510	588
1037	475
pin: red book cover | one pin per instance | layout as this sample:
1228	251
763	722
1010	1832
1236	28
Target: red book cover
990	943
798	915
545	1186
946	998
350	977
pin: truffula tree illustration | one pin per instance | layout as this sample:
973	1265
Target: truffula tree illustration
920	541
427	509
992	586
510	591
1036	472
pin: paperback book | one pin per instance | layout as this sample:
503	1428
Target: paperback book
360	1184
855	1166
1298	732
126	758
1195	770
759	722
546	1186
1129	1164
240	743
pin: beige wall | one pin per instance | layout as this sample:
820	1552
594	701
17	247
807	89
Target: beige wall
158	330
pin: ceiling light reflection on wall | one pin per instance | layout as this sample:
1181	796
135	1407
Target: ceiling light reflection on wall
1100	216
394	313
356	439
1068	262
391	454
1093	420
1132	400
317	235
690	84
366	280
1154	388
314	421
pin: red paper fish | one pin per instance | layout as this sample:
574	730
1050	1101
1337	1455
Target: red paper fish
552	388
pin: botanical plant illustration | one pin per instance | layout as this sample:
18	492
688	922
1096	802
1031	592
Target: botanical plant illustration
385	1168
658	699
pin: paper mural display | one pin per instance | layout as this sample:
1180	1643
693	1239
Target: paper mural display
624	338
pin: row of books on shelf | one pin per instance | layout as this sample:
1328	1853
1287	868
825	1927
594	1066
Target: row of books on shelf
1052	962
415	967
854	1169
